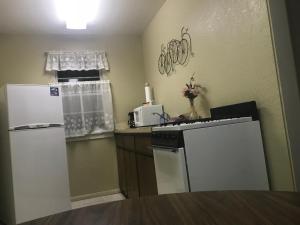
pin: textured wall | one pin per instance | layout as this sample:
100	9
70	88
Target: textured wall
233	59
289	89
293	8
92	164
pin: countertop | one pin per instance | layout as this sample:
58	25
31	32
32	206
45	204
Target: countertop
138	130
198	208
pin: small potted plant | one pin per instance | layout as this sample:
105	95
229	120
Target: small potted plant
191	91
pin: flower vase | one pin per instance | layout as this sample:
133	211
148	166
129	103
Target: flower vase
193	115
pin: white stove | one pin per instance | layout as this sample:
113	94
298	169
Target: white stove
200	124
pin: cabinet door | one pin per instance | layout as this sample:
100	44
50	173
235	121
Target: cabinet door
146	172
119	140
131	174
122	172
128	142
143	144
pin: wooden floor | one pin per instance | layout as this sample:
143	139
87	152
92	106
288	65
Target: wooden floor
203	208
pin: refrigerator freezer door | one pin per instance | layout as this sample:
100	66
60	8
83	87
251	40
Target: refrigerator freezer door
40	174
33	104
228	157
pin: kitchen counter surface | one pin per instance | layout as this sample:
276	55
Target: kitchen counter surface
201	208
138	130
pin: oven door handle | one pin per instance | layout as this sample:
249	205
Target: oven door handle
167	149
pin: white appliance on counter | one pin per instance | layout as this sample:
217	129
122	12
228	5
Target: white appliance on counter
218	155
147	115
34	172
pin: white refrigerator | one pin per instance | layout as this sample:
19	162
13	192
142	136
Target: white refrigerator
33	161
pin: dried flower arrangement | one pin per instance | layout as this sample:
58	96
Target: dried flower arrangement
191	91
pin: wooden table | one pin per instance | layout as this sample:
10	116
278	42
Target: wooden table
207	208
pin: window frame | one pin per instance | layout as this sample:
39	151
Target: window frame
82	76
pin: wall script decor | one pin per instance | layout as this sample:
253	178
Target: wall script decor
177	52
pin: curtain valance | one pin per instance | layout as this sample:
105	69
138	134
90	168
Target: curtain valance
82	60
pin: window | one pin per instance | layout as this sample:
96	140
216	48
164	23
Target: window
87	104
81	75
87	108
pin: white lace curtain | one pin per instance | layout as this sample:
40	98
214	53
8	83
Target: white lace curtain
82	60
87	108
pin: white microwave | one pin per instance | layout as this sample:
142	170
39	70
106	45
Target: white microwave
147	115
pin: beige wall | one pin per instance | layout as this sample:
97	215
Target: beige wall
293	8
289	89
233	59
92	164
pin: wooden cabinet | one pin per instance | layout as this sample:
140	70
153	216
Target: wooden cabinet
136	165
143	145
121	171
147	178
119	141
131	174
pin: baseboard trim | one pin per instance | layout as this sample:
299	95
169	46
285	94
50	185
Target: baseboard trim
94	195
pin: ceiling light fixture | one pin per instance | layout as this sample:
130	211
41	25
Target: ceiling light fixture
77	13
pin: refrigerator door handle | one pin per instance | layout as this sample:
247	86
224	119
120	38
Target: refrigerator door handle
36	126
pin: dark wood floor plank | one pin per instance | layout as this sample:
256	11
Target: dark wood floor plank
202	208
